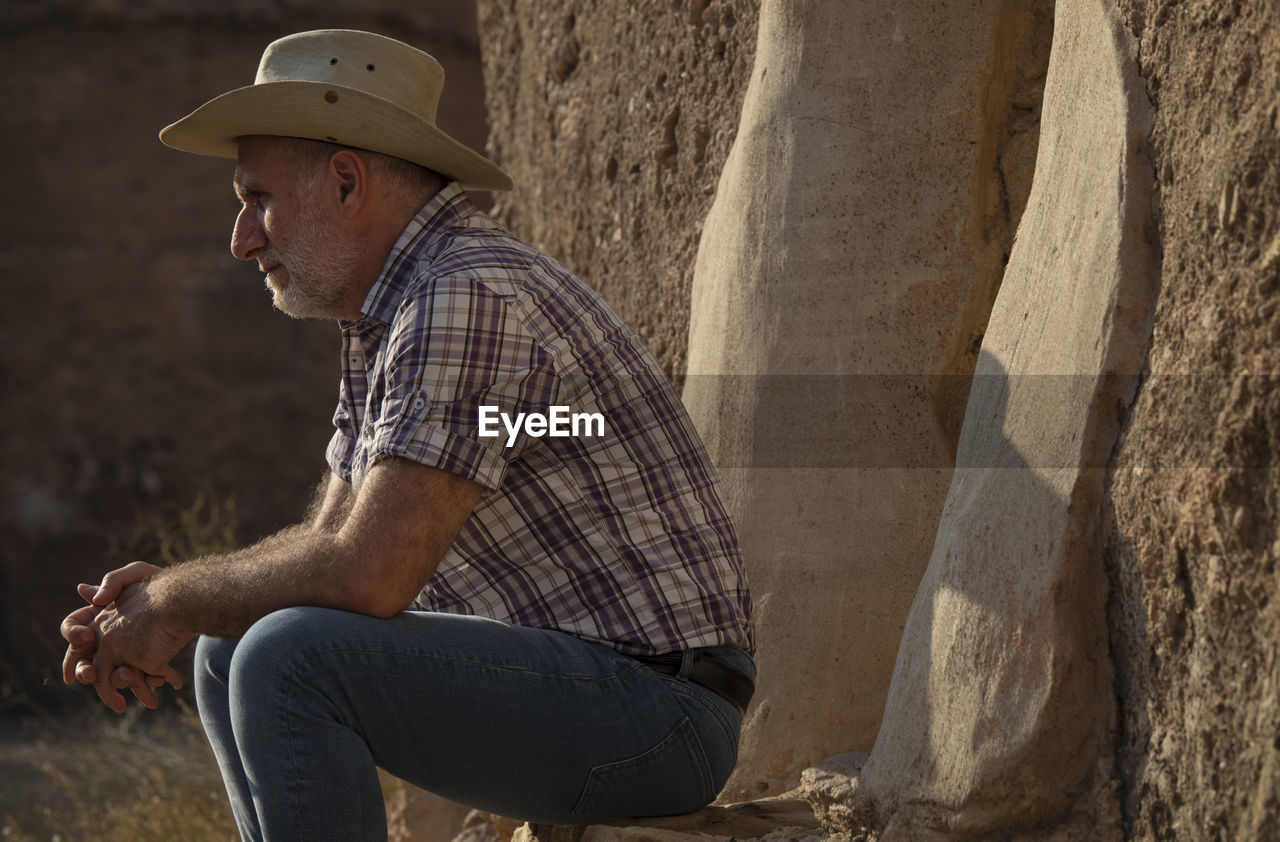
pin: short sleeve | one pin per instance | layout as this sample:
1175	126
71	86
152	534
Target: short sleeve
455	347
340	454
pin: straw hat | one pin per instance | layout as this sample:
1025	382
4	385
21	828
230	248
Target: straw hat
352	88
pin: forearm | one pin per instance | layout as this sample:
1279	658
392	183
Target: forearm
371	556
223	595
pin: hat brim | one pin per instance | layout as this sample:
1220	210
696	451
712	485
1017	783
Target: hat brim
334	113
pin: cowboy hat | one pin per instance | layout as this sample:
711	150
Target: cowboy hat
346	87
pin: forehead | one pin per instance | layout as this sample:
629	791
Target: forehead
264	162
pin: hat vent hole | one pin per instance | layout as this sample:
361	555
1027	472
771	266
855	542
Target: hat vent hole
371	67
331	97
333	61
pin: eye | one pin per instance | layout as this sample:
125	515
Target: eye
252	198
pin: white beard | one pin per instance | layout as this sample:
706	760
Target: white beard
318	263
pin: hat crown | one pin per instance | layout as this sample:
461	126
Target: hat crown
362	61
353	88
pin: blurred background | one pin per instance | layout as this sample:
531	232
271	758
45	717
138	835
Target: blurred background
153	402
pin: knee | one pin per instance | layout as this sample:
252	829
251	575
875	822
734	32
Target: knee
212	662
274	644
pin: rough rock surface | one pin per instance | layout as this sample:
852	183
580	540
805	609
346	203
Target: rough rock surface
1000	713
1192	507
843	280
786	818
415	815
614	120
1195	497
126	316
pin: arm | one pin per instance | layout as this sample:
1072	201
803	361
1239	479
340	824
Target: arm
330	505
369	552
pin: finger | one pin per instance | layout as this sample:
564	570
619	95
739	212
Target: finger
71	663
87	592
143	693
172	676
123	676
77	651
110	696
117	580
85	673
155	680
80	637
76	621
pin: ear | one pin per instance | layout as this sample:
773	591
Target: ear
349	175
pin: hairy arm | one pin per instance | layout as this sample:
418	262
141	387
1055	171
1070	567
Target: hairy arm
370	553
330	506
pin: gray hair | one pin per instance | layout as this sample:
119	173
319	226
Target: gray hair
405	178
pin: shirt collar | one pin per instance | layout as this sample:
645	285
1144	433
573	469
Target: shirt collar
419	241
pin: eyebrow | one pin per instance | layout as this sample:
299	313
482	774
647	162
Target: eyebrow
245	189
243	183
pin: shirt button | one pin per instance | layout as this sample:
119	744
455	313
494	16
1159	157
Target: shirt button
419	403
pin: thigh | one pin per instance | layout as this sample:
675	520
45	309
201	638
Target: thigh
528	723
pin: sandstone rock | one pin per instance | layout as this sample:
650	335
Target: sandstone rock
782	819
1195	493
479	826
1000	711
614	120
843	279
830	788
415	815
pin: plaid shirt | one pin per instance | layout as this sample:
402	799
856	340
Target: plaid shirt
621	538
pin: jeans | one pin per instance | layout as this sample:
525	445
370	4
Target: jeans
530	724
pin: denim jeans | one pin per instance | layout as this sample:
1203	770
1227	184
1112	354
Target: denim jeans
530	724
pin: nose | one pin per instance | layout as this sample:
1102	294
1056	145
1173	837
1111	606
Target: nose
247	237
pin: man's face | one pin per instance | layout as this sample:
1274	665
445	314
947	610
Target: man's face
290	227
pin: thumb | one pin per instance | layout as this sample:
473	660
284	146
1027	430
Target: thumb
117	580
106	593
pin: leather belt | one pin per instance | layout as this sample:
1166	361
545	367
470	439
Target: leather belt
707	672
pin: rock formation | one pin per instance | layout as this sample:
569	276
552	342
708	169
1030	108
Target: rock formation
614	120
1121	680
1000	714
843	280
1194	503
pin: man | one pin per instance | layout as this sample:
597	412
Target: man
553	627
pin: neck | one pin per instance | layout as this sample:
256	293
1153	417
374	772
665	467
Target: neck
379	238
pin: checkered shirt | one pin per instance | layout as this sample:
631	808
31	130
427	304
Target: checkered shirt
621	538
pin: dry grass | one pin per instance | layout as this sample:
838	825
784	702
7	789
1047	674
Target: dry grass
118	779
140	777
135	778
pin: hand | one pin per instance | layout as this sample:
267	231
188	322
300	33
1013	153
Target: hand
131	633
82	638
115	582
82	644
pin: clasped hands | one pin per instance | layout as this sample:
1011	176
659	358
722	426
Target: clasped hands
119	640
